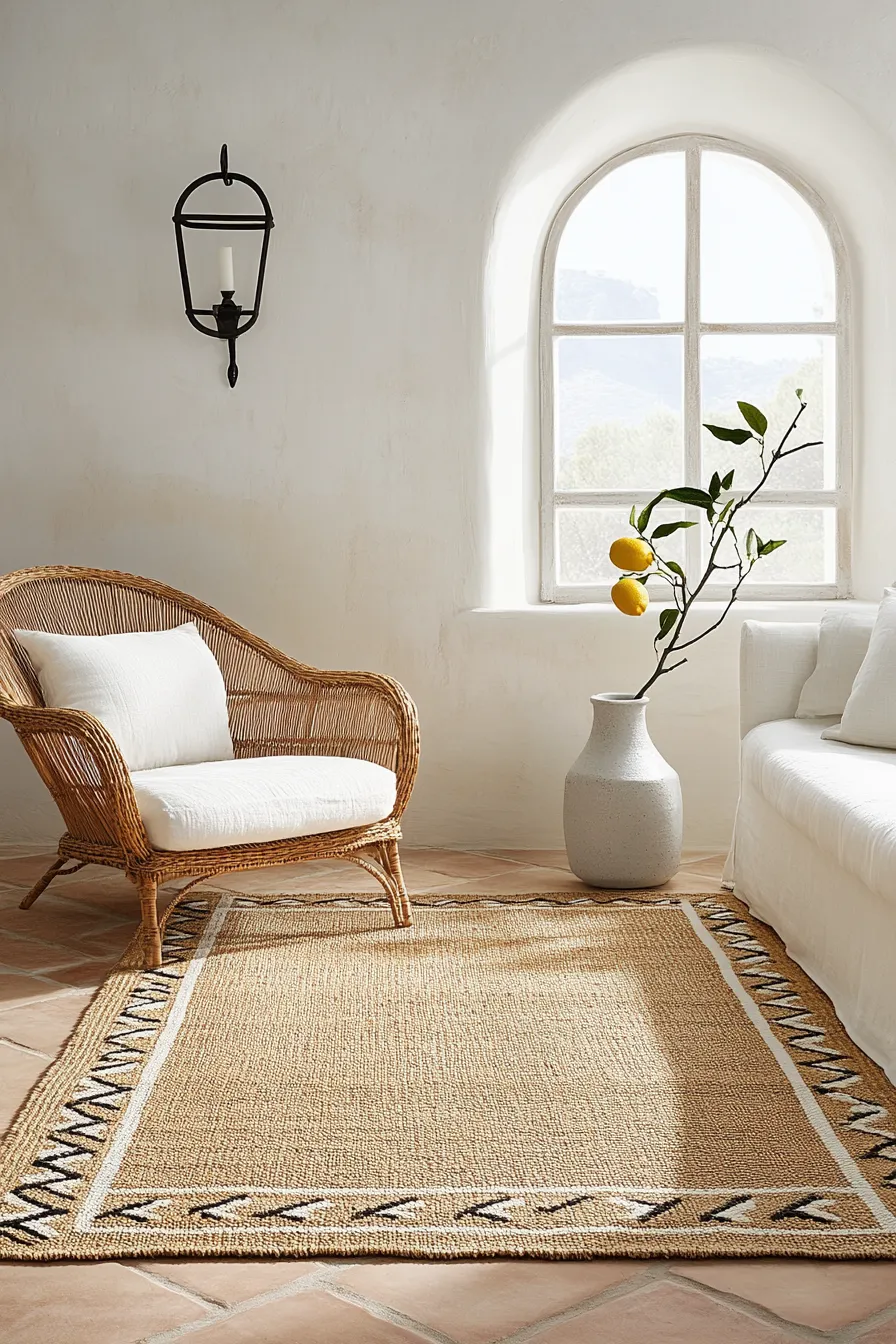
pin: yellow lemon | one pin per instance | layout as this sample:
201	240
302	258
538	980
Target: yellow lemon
630	597
631	553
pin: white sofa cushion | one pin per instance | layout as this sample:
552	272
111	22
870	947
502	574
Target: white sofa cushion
869	718
842	797
160	693
246	802
842	644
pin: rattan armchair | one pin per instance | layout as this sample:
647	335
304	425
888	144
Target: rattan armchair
276	707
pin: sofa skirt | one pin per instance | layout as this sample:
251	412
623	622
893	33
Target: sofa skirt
841	933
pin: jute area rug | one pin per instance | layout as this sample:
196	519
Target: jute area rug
558	1077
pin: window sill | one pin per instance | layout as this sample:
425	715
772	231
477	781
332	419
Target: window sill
753	608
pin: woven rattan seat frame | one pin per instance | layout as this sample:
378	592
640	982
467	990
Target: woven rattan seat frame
276	705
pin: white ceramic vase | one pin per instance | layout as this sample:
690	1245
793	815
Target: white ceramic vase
622	805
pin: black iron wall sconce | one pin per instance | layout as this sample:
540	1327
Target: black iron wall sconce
229	316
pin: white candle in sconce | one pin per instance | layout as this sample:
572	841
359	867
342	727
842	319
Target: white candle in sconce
225	268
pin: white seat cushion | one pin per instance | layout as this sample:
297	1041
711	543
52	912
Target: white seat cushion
842	797
246	802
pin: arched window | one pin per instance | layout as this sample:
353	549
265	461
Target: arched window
681	277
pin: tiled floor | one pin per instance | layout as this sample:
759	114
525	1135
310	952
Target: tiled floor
51	959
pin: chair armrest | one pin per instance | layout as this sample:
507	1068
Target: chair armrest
81	765
775	662
313	712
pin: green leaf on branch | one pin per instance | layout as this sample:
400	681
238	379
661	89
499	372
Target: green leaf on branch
666	529
715	485
688	494
644	515
728	480
725	511
729	435
767	547
667	620
639	578
799	393
675	568
754	417
631	517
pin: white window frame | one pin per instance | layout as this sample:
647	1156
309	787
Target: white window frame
691	329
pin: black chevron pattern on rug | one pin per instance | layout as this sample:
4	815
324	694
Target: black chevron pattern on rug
85	1121
832	1071
644	1210
811	1208
143	1211
567	1204
492	1210
397	1208
737	1210
299	1213
222	1210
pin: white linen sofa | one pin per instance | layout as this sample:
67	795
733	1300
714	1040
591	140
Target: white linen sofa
814	848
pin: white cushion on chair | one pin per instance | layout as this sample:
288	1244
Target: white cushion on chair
160	693
263	798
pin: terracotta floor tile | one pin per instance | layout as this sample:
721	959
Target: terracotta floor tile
685	882
25	869
10	896
810	1292
55	920
308	1318
18	1074
519	880
10	849
453	863
478	1301
534	858
31	954
664	1314
85	1304
112	942
711	866
884	1334
339	878
230	1280
112	894
86	974
17	990
45	1026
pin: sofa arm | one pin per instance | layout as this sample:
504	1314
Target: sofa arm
775	661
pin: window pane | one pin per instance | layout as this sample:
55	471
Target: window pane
618	412
622	253
764	255
766	371
584	537
810	555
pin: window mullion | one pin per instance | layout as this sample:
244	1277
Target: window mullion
692	455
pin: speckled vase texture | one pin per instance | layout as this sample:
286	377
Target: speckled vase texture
622	804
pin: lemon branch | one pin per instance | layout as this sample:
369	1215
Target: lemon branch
722	517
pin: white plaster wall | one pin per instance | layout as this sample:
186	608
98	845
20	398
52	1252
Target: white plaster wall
337	500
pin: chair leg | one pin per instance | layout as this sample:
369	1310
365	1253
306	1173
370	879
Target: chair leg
152	940
42	883
401	906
